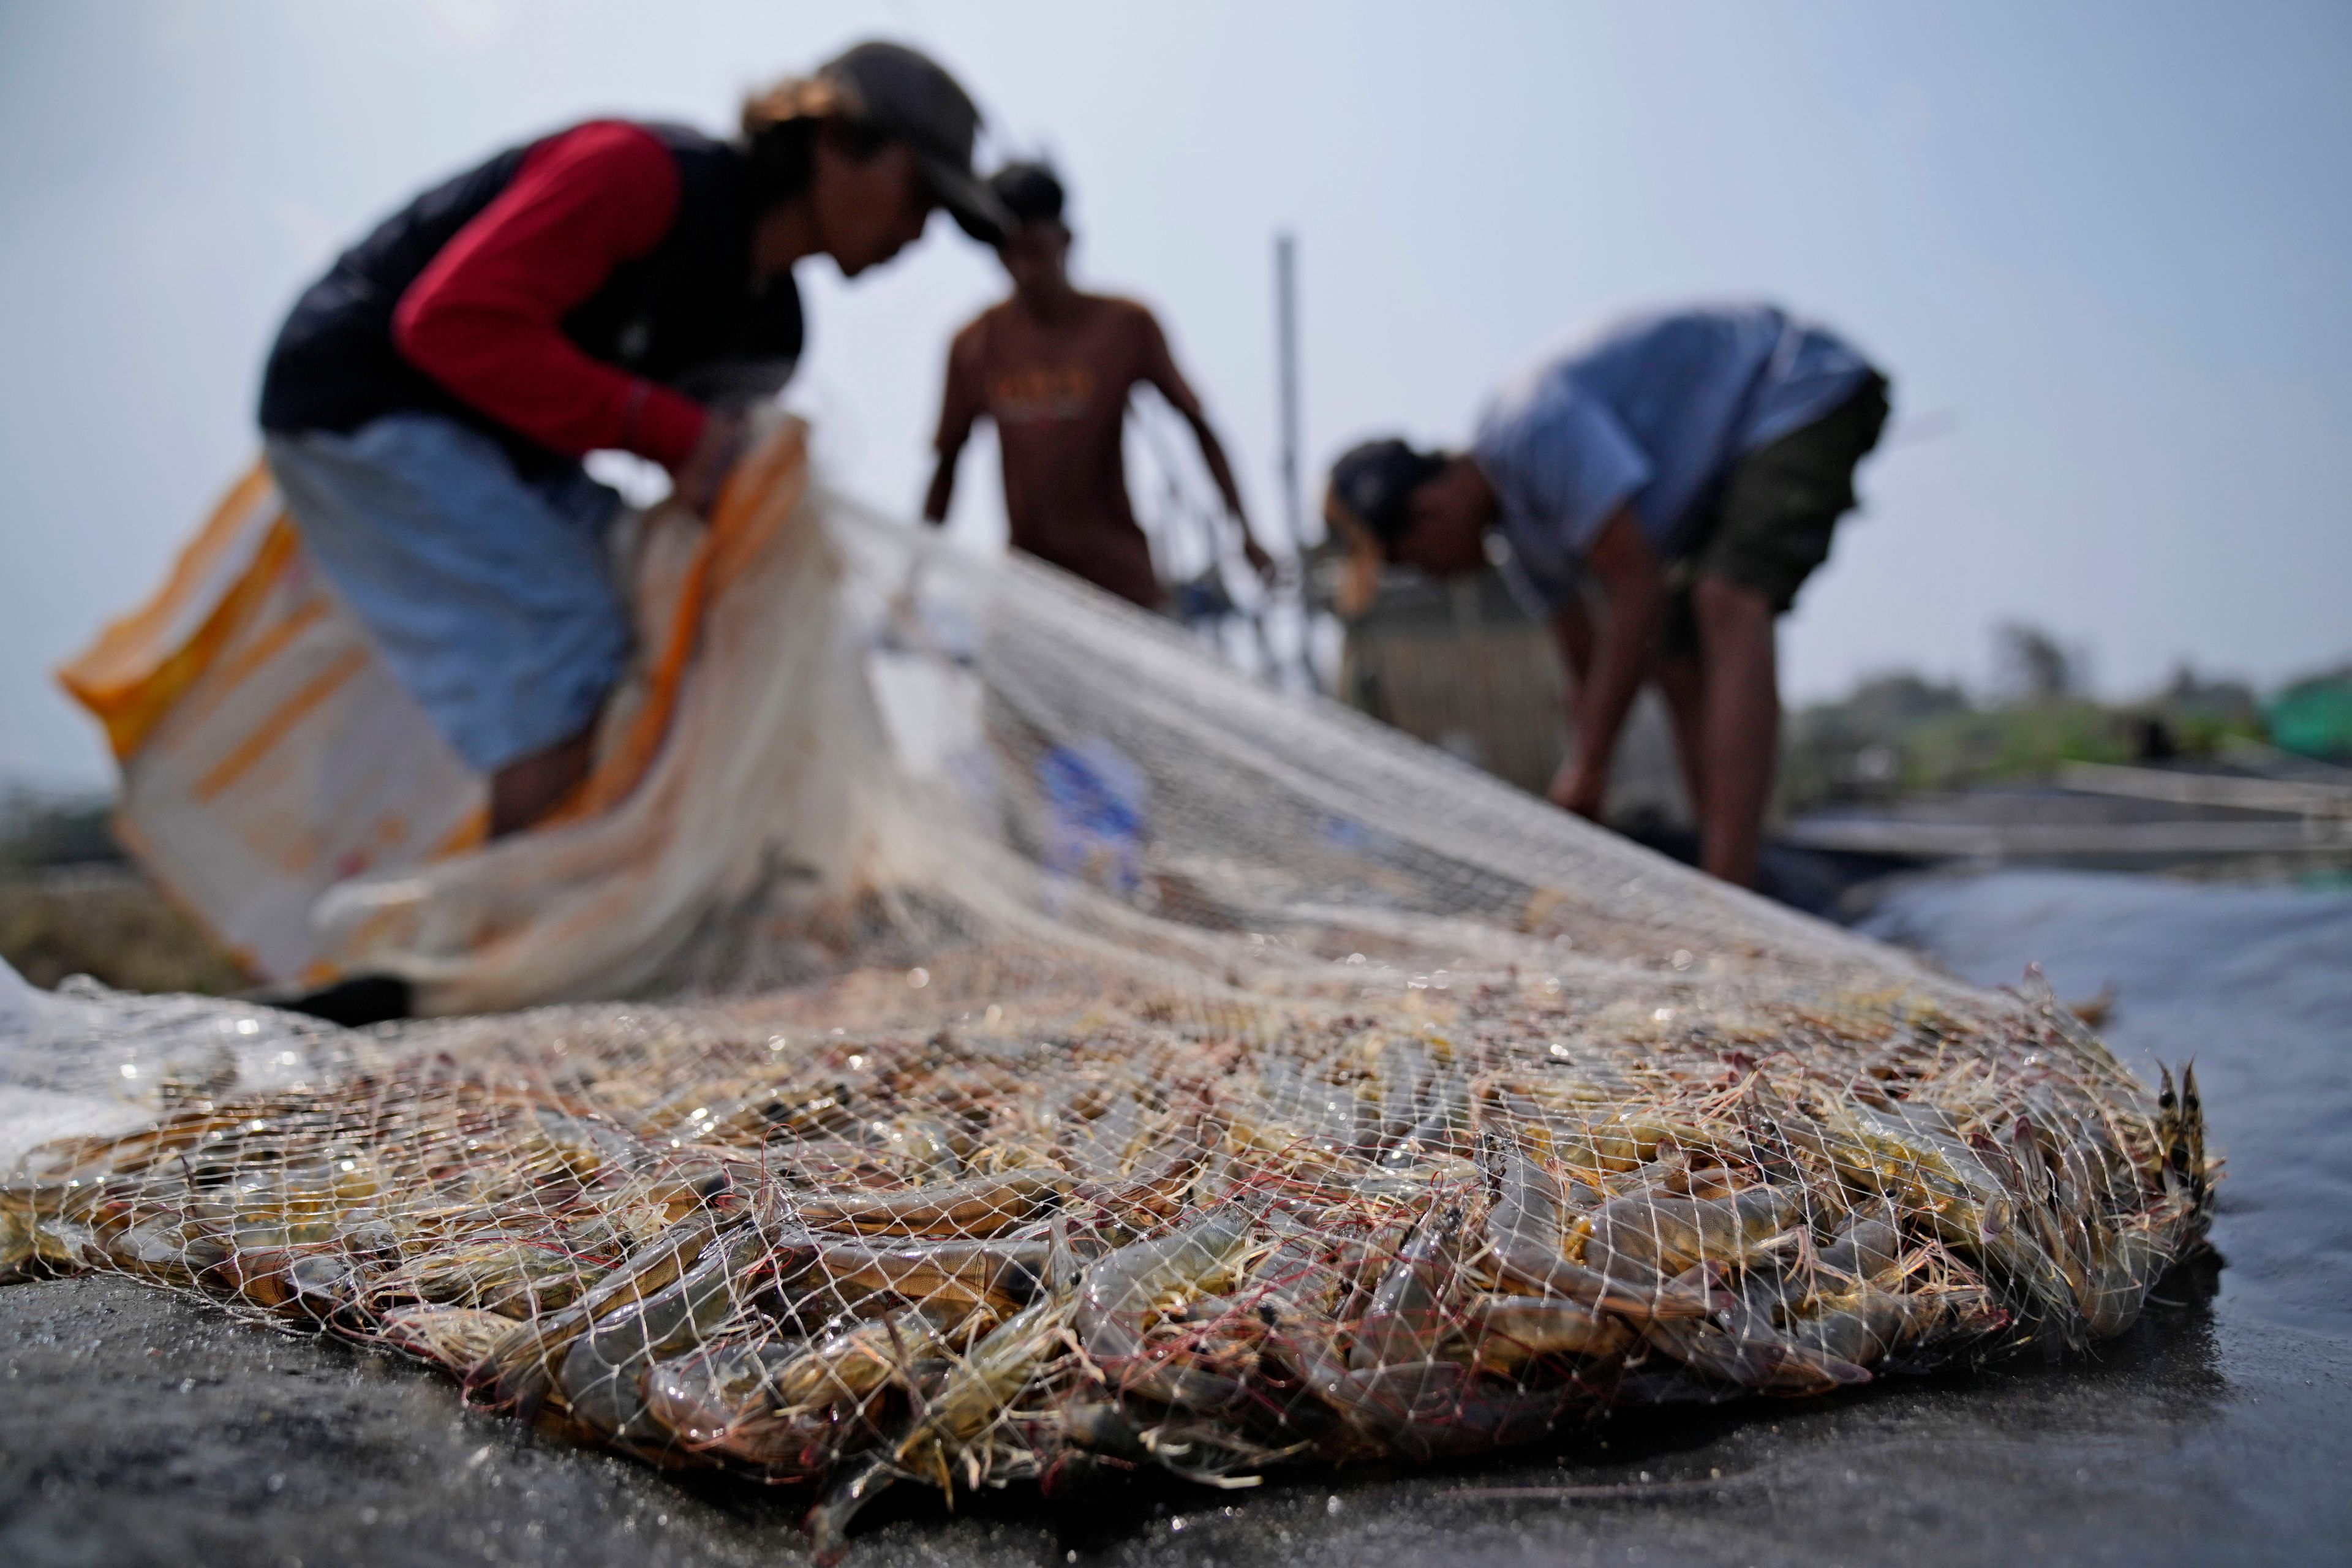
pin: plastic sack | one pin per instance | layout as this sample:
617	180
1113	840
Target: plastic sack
281	785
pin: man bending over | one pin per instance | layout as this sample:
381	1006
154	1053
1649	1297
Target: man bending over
1696	463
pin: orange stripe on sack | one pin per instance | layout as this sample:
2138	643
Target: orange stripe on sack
224	675
764	490
127	648
127	680
472	831
263	649
768	491
257	745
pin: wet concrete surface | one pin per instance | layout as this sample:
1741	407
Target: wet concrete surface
138	1427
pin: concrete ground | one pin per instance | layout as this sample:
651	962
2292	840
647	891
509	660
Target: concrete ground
136	1427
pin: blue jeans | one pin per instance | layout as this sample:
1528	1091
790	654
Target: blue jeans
488	596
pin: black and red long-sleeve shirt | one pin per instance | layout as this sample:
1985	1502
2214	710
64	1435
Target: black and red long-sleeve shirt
589	290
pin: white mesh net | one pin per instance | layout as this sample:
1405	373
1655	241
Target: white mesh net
1080	1056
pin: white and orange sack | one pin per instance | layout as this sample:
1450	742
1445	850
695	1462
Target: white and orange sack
282	786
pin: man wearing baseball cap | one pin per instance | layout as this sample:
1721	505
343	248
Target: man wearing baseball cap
1693	465
614	285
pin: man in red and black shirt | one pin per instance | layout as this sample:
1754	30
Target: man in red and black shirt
617	286
1053	367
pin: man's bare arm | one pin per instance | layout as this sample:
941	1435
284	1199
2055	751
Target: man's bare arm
1629	573
937	500
960	408
1159	370
1213	453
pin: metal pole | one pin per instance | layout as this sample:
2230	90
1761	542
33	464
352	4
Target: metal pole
1286	330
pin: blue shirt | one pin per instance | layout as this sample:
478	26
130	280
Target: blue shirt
1652	411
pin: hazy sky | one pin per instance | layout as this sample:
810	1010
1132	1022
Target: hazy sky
2101	249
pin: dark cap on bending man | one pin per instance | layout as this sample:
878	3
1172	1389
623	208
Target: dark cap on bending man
1372	485
1369	505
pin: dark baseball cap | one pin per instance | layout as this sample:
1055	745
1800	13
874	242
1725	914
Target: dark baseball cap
1369	506
906	93
1030	191
1375	481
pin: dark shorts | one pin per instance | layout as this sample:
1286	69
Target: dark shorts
1777	510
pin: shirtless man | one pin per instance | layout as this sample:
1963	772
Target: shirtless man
1053	367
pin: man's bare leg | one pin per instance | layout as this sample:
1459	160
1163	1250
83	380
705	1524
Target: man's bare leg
529	787
1740	724
1679	681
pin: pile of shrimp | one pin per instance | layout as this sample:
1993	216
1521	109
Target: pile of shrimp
1089	1234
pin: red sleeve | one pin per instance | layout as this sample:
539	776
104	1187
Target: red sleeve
484	320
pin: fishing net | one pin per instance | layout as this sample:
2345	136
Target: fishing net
1127	1068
